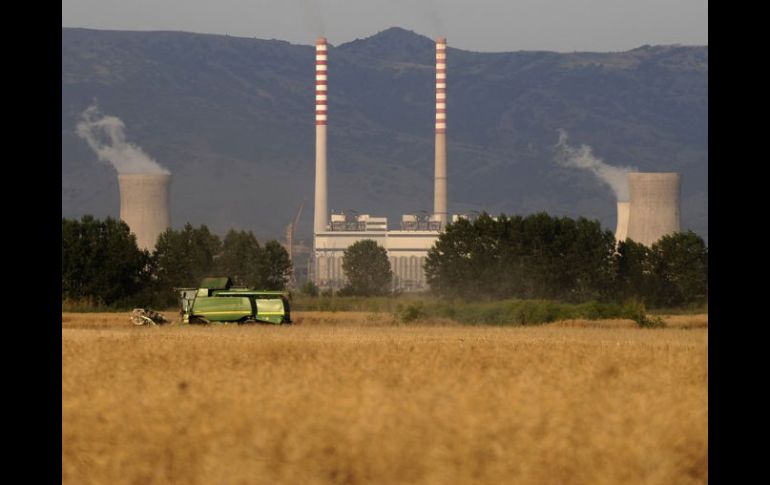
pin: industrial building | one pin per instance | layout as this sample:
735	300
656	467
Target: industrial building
144	205
653	205
652	210
407	247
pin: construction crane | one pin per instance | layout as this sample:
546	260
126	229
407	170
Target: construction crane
290	242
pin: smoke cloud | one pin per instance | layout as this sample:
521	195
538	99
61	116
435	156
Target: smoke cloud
582	157
314	21
104	134
433	15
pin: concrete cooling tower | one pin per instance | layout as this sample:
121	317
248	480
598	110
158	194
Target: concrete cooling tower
654	206
144	206
621	230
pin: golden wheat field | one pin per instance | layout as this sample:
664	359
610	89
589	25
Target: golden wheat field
356	399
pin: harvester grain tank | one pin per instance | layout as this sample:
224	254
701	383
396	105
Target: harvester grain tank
216	300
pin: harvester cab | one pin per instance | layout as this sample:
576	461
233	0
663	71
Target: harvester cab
216	300
186	298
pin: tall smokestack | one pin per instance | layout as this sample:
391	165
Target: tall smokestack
439	186
144	205
654	206
320	215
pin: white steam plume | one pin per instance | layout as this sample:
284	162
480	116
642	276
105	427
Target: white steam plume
582	157
425	16
104	134
313	18
433	13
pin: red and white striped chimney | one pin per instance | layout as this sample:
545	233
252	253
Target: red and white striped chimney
320	215
439	188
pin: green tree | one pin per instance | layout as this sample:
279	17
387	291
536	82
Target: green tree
679	267
183	258
249	264
309	289
367	269
538	256
276	266
241	259
448	267
100	260
584	253
632	271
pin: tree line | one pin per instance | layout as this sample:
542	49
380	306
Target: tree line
559	258
101	262
543	257
528	257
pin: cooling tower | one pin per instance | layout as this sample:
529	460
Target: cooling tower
144	206
621	231
654	206
439	186
320	213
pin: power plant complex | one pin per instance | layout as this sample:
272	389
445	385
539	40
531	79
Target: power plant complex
651	212
408	246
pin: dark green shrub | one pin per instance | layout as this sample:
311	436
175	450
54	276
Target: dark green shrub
635	310
412	312
309	289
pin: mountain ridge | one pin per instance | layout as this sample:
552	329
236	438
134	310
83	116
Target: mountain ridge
225	113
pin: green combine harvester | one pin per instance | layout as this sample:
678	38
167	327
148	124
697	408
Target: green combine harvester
218	301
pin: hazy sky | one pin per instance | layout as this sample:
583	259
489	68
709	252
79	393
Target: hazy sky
480	25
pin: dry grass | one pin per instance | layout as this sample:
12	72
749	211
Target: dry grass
672	321
353	399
